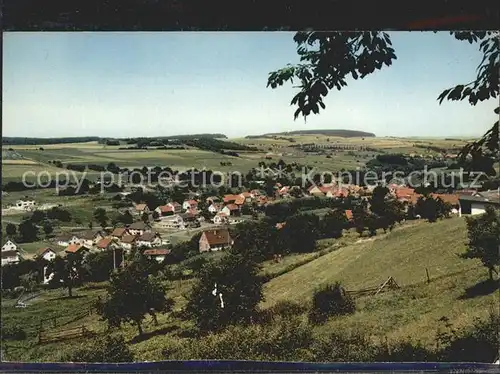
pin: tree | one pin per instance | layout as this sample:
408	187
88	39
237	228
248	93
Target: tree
11	230
145	217
484	239
29	281
255	239
300	232
28	232
133	294
333	223
125	218
226	292
328	59
155	215
47	228
432	208
101	217
99	266
68	271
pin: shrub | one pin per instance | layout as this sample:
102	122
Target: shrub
477	344
330	300
106	349
13	333
286	339
344	347
284	309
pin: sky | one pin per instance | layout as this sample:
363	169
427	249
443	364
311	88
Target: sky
160	84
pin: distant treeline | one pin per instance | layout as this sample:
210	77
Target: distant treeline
341	133
216	145
438	149
107	141
37	141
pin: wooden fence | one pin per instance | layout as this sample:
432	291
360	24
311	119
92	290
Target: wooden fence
54	336
47	325
389	284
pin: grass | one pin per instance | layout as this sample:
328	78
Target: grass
412	311
403	254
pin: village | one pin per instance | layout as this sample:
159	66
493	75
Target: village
152	227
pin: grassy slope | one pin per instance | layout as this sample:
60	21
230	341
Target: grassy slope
413	311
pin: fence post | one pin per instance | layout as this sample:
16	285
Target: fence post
427	273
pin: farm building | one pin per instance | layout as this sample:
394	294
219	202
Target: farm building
46	253
138	228
11	253
476	204
215	240
149	239
67	239
158	253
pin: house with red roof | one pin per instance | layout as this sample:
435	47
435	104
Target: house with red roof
230	198
190	204
76	248
349	215
231	210
164	210
215	240
119	232
158	254
106	244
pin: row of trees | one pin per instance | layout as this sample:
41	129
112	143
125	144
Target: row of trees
28	229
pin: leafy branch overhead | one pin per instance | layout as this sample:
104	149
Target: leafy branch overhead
328	59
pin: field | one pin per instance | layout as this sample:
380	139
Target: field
412	312
36	160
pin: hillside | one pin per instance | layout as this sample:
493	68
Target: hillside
333	132
404	254
412	312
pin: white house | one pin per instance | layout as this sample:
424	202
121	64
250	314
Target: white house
128	242
173	222
140	209
10	253
175	206
138	228
46	253
68	239
214	208
472	205
9	245
91	238
220	218
25	205
189	204
231	210
149	239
